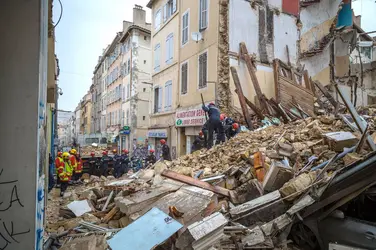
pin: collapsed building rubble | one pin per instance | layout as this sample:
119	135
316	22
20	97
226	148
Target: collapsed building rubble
248	192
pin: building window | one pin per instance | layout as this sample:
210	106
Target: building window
168	95
169	48
128	90
169	9
185	28
145	38
144	61
157	99
157	52
203	14
144	90
127	116
202	70
184	78
143	118
157	19
129	66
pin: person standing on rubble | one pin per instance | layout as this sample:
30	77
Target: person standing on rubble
92	163
73	161
124	161
58	161
117	164
79	168
214	123
65	171
104	163
166	155
198	143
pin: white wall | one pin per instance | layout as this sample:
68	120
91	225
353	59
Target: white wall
244	27
23	61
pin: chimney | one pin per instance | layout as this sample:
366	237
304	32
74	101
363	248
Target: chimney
139	15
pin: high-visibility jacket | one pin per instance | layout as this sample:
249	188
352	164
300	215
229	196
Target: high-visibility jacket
79	166
73	162
58	161
65	171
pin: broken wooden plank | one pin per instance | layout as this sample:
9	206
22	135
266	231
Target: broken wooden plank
326	94
279	111
194	182
276	77
238	86
361	141
252	73
110	215
356	117
255	203
108	201
253	237
253	107
301	204
276	225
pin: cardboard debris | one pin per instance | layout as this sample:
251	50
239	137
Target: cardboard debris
79	207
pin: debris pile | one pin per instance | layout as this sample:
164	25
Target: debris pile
85	151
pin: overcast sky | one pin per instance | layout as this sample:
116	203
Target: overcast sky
85	29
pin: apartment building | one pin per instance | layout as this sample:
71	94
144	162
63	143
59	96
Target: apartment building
165	72
86	108
135	46
206	37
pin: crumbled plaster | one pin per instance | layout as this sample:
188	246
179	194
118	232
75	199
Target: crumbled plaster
223	85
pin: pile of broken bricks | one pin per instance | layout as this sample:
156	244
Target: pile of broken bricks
244	193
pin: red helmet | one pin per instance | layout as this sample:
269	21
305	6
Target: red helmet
59	154
104	153
92	153
222	117
125	151
212	103
163	141
235	126
201	133
151	150
114	150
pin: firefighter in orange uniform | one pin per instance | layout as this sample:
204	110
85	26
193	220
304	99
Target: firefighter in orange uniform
65	173
79	168
58	161
73	161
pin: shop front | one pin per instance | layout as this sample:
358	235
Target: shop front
189	123
154	136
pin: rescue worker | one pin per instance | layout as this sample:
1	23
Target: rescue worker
65	172
73	161
79	168
124	161
92	163
214	123
198	143
227	124
166	155
104	163
58	160
117	164
151	159
51	181
234	130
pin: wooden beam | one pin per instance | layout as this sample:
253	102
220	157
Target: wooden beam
276	78
238	86
252	73
195	182
253	107
279	111
326	94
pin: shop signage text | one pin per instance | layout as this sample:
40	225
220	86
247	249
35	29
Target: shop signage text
193	117
158	133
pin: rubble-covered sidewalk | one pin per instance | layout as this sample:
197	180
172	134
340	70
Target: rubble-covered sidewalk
244	194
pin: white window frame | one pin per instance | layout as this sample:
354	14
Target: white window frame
181	77
183	43
198	69
201	28
168	97
170	48
157	26
157	57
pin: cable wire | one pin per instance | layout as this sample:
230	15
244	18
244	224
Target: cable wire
61	14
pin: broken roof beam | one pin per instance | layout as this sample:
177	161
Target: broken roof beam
252	72
253	107
354	114
247	115
326	94
194	182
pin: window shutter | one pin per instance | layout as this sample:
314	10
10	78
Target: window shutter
160	99
200	14
173	6
164	13
170	95
167	48
171	47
